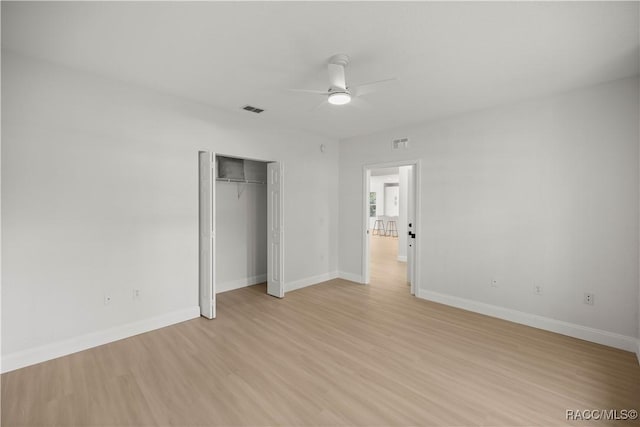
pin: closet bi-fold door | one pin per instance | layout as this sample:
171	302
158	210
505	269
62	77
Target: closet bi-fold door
275	235
207	234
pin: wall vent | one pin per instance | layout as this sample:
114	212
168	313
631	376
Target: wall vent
253	109
399	143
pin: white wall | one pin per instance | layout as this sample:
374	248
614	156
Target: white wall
544	193
241	235
100	195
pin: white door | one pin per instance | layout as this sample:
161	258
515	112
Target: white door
411	227
207	202
275	236
367	233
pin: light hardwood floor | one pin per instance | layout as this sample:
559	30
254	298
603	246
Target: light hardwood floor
332	354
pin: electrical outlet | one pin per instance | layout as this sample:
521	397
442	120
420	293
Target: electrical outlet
107	299
494	283
589	298
537	289
136	294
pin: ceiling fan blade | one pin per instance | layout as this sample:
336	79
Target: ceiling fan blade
336	76
317	92
369	87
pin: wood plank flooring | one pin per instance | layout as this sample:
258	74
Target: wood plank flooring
331	354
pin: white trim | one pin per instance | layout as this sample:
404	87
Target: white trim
351	277
54	350
240	283
402	258
599	336
308	281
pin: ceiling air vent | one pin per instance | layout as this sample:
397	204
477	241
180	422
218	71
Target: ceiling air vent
252	109
399	143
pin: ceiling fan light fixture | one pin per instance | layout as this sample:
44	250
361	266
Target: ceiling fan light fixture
339	98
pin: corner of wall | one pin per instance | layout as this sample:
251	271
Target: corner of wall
351	277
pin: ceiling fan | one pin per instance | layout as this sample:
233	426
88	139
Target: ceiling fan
339	93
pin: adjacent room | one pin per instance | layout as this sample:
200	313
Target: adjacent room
320	213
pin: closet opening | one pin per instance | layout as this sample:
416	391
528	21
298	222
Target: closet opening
241	223
240	226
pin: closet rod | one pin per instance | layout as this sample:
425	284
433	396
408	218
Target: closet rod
246	181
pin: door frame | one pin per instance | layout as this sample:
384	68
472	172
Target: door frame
366	255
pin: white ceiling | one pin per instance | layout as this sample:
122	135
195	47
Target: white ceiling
448	57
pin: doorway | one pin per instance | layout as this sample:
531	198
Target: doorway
242	198
390	222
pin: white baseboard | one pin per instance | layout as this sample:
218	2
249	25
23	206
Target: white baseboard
240	283
599	336
402	258
308	281
31	356
350	277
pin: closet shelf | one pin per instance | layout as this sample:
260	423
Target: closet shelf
245	181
